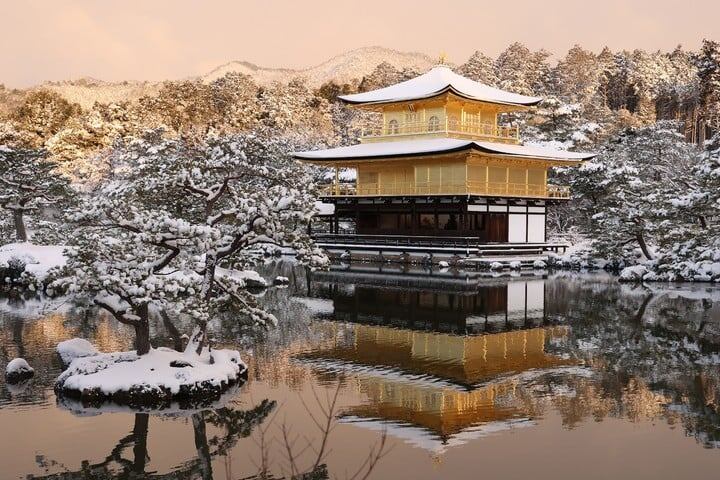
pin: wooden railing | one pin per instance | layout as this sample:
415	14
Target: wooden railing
468	188
447	126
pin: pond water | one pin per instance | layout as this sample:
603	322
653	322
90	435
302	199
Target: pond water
446	374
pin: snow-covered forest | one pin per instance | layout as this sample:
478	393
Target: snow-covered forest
163	160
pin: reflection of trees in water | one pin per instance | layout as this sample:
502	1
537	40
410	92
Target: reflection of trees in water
654	347
233	424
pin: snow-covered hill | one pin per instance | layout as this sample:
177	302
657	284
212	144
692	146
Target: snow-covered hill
342	68
87	91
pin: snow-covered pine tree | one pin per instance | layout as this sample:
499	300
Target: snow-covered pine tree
384	75
29	181
638	174
180	223
708	65
480	68
522	71
576	76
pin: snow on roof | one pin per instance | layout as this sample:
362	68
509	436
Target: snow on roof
440	79
407	148
428	440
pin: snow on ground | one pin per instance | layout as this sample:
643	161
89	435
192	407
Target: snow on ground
39	259
74	348
162	373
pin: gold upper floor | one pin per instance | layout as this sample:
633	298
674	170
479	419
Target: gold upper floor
444	116
449	174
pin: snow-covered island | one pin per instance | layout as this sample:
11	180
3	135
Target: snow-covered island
18	370
157	378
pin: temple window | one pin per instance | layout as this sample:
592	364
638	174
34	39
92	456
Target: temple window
393	127
434	124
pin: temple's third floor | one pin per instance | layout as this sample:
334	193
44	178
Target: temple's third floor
441	103
447	116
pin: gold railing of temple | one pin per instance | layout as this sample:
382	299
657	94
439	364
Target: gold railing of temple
507	133
467	188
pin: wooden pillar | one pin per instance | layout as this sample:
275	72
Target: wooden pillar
487	178
507	179
527	179
337	181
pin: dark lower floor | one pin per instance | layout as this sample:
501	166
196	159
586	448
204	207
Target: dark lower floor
487	222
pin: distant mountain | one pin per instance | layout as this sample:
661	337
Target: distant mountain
342	68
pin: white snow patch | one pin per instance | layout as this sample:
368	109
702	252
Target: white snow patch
438	145
18	366
440	78
249	278
539	264
38	259
634	273
74	348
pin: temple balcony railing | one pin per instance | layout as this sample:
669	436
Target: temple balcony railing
503	189
446	127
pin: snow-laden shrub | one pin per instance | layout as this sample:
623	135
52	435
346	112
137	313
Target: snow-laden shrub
515	265
539	264
496	266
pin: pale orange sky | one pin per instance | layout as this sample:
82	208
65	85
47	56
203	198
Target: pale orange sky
170	39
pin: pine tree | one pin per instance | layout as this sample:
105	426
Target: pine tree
480	68
636	178
181	221
708	65
576	76
29	182
522	71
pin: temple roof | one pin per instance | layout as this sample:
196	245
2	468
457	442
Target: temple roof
440	79
434	146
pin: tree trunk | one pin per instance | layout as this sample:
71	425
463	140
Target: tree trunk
142	331
201	446
140	432
172	331
20	231
703	222
643	246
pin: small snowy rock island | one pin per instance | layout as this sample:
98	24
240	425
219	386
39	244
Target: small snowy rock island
18	370
156	379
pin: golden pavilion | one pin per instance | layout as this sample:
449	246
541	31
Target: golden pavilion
440	170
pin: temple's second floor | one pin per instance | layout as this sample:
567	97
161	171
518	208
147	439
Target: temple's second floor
458	174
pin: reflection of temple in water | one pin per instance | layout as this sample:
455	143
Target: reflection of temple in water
493	306
425	384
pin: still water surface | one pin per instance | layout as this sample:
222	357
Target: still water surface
564	376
